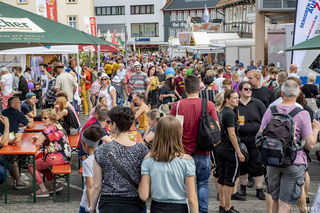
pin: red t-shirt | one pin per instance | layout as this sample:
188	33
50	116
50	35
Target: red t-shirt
179	84
88	78
227	75
191	109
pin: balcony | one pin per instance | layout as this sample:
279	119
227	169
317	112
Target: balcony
277	5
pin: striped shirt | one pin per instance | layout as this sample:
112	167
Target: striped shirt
139	82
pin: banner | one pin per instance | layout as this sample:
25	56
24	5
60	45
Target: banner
48	9
90	25
307	25
23	25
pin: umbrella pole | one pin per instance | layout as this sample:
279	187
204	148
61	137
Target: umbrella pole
98	66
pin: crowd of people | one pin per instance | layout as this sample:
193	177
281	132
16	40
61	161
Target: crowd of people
162	97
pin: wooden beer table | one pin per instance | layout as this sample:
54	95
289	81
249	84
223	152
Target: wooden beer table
26	147
39	127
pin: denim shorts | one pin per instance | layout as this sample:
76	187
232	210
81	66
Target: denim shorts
285	183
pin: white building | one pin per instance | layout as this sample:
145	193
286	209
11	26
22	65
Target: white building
143	19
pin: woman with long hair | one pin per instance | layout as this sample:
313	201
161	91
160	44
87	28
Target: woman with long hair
108	91
168	174
235	81
154	86
168	94
228	151
141	111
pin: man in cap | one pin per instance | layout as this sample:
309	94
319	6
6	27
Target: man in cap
139	81
28	107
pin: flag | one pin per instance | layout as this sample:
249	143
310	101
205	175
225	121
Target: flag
206	14
114	37
119	41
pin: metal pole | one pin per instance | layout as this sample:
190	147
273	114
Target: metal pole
98	60
125	45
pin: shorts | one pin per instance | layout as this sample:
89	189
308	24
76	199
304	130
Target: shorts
254	166
285	183
228	167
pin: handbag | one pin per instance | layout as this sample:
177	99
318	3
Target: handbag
179	117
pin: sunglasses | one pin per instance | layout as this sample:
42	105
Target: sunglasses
109	122
44	118
104	79
247	89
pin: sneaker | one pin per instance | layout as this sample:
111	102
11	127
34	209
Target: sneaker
237	196
231	210
22	184
24	176
40	193
243	190
221	209
59	188
307	200
260	194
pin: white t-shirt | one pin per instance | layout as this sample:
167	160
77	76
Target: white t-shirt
219	84
27	76
7	80
87	171
105	93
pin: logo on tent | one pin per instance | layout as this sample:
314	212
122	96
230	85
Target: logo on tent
24	25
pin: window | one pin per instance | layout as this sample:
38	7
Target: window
71	1
180	16
142	9
173	16
172	32
199	13
22	1
213	14
145	30
193	13
72	21
185	15
110	11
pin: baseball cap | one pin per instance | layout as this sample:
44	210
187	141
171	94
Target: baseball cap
241	64
30	94
137	63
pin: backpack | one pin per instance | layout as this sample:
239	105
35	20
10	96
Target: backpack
277	145
119	94
208	131
71	119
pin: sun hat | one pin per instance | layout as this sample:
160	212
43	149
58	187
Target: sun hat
104	76
116	79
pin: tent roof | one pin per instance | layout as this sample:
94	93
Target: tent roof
21	28
311	44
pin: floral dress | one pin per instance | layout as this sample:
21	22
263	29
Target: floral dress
55	142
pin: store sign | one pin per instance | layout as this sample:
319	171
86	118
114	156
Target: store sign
306	26
19	25
142	39
48	9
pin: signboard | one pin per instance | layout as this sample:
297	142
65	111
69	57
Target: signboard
184	38
90	25
307	24
48	9
22	25
142	39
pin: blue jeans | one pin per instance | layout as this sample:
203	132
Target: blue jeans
202	177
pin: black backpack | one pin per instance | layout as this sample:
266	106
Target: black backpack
277	145
208	131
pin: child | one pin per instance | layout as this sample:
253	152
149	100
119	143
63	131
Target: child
90	140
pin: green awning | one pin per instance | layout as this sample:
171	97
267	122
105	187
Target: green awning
20	28
311	44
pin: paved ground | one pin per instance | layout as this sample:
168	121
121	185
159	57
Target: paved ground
252	205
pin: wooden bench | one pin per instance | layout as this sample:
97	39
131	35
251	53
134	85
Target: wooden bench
73	142
61	171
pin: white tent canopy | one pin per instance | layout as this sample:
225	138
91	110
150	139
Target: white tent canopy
62	49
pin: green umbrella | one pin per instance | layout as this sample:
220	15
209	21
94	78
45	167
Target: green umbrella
20	28
311	44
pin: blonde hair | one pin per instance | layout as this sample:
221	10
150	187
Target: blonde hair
312	77
62	102
167	143
52	115
236	77
256	74
219	100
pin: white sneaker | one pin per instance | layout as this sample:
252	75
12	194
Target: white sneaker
24	176
22	184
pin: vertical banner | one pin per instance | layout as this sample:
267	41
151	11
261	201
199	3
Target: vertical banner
307	25
90	25
47	8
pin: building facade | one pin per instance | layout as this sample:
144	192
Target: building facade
177	12
142	19
239	16
69	12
